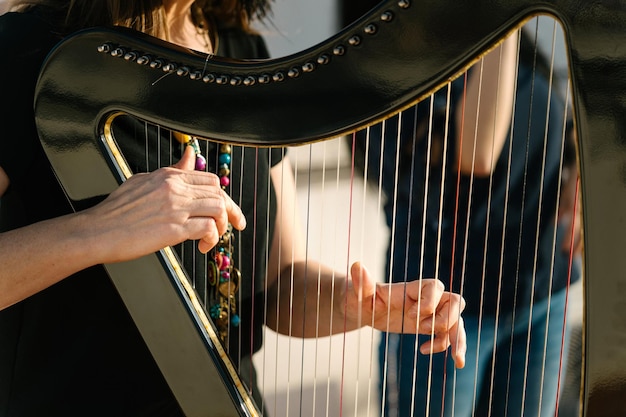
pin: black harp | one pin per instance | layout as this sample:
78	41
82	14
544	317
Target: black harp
392	57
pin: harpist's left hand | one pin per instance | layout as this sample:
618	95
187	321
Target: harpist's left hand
421	306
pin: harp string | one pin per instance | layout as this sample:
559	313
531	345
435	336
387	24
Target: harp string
196	269
571	246
484	264
370	384
454	239
387	340
244	175
551	81
347	268
292	343
532	297
322	214
277	306
263	366
238	242
407	236
440	221
337	238
396	234
474	142
534	261
322	219
378	210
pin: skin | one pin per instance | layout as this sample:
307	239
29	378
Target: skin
181	28
484	131
165	207
294	284
147	212
570	212
485	115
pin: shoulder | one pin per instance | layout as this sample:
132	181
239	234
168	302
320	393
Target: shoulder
25	41
21	31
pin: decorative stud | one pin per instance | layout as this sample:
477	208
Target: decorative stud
249	80
354	40
118	52
143	60
370	29
130	56
156	63
293	73
104	48
182	71
387	16
170	67
339	50
323	59
209	78
195	75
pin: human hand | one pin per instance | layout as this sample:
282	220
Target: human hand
162	208
421	306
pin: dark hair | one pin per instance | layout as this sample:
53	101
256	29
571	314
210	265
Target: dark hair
144	15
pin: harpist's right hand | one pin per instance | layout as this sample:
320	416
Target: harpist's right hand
145	214
153	210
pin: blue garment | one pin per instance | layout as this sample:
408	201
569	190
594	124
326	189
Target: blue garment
494	240
527	354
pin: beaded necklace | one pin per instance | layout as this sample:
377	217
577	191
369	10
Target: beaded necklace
223	277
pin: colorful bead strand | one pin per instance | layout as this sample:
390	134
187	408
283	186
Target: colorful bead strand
223	277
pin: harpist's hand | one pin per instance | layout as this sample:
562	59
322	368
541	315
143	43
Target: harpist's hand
153	210
421	306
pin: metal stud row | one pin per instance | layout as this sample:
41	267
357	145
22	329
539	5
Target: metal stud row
222	79
250	80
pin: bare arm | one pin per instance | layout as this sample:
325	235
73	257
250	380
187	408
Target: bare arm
147	213
307	299
484	116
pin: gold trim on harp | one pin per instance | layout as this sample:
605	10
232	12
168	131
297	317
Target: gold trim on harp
193	298
180	275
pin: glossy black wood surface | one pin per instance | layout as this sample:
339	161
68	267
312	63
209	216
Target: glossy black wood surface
384	62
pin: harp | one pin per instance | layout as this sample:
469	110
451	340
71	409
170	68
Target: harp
396	55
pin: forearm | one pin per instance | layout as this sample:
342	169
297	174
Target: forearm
483	116
308	300
146	213
39	255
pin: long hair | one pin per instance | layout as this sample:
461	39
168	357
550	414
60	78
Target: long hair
147	16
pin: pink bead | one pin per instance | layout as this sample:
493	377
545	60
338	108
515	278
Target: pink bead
200	163
225	262
225	181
